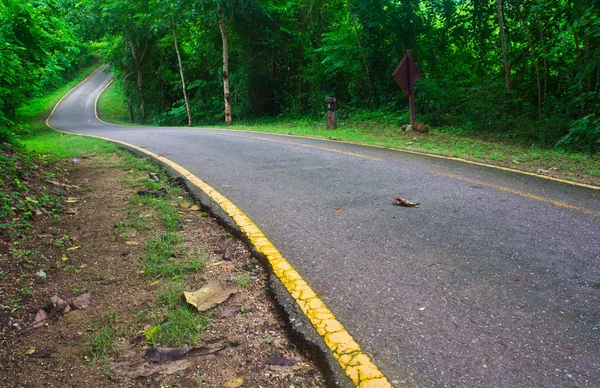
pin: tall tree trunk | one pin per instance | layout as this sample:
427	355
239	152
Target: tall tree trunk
544	57
185	98
301	56
138	59
588	77
504	46
225	39
535	64
129	104
362	51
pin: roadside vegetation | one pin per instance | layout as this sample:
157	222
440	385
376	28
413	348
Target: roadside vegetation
60	233
385	131
507	83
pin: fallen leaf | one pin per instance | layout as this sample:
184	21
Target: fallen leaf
218	263
166	354
82	301
135	368
234	382
40	319
73	248
154	283
421	308
278	359
131	243
184	205
228	268
338	210
194	207
404	202
40	353
41	273
153	193
65	258
30	351
210	295
60	304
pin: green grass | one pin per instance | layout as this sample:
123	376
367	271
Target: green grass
101	340
112	105
447	142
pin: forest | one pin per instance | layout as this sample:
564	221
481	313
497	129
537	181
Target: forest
522	69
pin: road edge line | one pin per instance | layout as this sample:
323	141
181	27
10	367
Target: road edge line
356	364
67	93
453	158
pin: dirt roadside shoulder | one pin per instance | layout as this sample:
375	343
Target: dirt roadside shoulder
105	245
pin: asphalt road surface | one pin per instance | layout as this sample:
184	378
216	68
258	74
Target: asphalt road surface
494	280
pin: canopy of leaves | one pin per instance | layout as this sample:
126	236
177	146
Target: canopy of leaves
286	56
39	47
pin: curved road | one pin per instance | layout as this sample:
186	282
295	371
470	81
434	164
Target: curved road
494	280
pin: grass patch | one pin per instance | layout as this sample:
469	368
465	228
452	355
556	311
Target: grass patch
176	323
101	342
112	105
446	141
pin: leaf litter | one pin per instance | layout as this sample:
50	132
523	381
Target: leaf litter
58	350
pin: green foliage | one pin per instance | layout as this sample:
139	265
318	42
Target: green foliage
39	49
584	135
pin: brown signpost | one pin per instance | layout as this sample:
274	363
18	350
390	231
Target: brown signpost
406	75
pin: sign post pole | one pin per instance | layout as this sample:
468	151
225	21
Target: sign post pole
411	88
406	75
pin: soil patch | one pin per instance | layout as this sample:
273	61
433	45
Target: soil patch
83	251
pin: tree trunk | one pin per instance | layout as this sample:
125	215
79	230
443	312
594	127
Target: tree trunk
362	51
138	60
544	57
185	98
129	104
225	39
535	64
504	46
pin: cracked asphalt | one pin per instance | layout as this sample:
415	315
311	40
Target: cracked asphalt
494	280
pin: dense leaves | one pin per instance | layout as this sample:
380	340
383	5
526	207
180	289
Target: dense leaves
39	48
526	69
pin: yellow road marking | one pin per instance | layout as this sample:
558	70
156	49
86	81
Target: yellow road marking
308	146
518	192
356	364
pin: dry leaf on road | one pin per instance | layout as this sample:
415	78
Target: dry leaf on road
404	202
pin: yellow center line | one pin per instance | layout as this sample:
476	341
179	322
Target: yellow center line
307	146
518	192
497	187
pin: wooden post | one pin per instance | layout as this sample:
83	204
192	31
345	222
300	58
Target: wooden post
331	116
411	90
